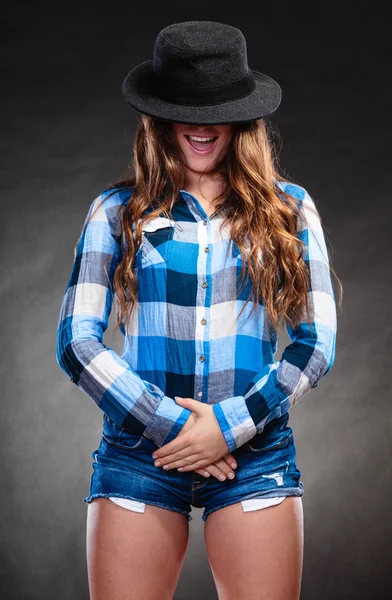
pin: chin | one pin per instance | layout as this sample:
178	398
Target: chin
199	162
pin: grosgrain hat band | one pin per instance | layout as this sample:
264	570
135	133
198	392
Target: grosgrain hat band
202	96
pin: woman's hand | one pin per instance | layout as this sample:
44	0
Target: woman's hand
221	468
199	444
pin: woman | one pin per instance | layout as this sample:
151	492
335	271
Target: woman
207	250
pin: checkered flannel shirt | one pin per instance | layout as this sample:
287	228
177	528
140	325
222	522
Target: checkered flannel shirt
183	339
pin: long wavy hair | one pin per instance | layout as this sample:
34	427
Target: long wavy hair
262	218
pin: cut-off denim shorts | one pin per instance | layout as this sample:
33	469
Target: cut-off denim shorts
123	467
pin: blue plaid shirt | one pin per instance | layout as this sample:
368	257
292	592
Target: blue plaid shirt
182	339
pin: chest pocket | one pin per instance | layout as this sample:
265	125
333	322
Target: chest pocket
239	258
236	253
155	246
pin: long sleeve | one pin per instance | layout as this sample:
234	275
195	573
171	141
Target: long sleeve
97	370
310	356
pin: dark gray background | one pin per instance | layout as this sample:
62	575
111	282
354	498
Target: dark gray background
66	134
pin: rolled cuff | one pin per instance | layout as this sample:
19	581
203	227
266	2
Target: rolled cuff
235	421
167	421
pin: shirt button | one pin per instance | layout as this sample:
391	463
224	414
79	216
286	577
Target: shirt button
206	249
204	284
203	321
200	394
202	358
204	222
72	380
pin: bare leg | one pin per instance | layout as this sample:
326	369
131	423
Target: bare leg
257	555
134	555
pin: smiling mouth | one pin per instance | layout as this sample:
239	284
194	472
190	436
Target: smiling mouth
202	148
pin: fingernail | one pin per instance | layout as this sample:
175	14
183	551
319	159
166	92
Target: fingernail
155	456
234	466
230	475
157	464
222	477
177	398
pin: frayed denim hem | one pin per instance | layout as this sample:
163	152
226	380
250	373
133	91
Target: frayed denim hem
296	491
91	497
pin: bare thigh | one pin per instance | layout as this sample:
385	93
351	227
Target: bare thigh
134	555
257	555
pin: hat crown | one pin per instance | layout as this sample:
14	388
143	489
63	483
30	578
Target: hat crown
200	54
199	74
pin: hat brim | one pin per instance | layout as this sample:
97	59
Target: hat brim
261	102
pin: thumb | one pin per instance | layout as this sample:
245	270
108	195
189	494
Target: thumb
190	403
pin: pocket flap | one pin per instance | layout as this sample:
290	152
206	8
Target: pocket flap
157	223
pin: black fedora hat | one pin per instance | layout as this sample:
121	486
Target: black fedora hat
199	75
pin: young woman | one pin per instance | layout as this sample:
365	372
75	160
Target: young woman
207	250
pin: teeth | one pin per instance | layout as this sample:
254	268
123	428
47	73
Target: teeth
199	139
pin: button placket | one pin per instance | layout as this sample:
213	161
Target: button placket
203	334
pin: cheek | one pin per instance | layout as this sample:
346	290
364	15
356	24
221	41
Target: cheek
225	142
178	136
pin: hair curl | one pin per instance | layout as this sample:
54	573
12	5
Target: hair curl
262	217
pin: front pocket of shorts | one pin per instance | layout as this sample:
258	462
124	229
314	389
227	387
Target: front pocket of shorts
258	443
119	437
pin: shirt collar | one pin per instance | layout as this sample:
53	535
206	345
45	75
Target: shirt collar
197	209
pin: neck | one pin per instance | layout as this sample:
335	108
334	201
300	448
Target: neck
207	187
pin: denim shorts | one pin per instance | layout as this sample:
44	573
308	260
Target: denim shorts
123	467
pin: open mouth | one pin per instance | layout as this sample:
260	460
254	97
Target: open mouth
201	145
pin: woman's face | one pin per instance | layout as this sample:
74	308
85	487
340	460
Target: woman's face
202	155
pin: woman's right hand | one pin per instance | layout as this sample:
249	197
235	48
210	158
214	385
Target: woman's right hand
218	468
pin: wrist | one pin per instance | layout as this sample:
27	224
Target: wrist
191	420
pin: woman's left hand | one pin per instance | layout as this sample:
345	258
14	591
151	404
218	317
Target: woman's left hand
201	446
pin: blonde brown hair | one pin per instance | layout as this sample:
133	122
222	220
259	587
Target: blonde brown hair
261	216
